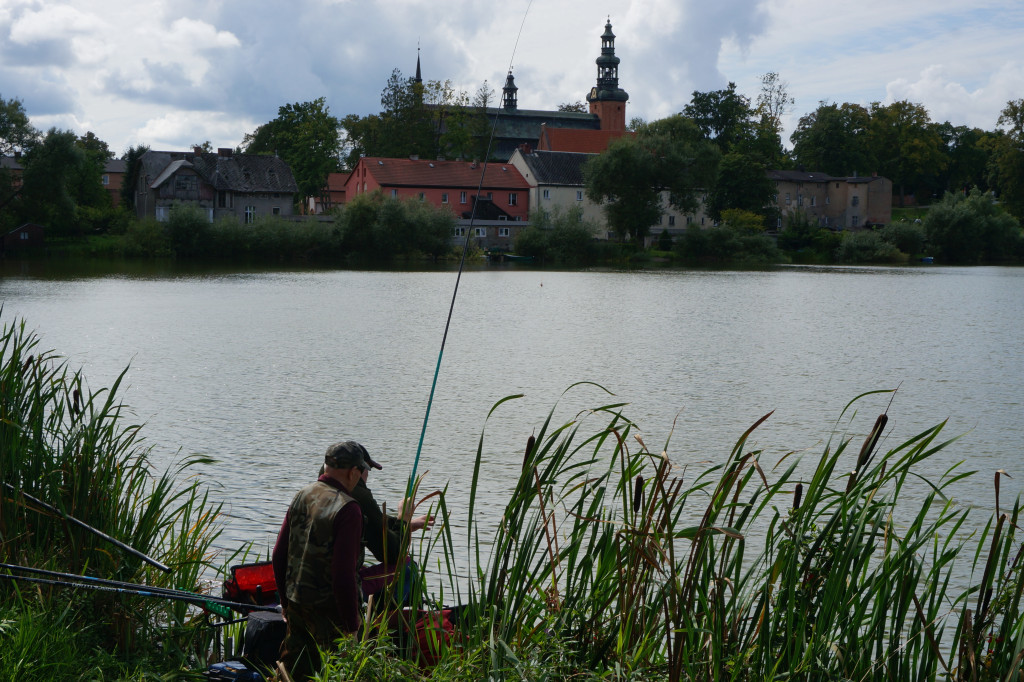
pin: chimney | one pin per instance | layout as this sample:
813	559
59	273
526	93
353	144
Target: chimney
197	150
224	151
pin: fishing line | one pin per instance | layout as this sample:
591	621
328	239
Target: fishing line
462	263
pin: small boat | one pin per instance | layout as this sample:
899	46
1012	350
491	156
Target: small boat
928	260
505	257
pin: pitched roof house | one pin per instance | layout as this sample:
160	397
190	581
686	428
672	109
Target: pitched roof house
833	202
245	186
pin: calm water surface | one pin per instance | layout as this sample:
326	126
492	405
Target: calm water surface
262	370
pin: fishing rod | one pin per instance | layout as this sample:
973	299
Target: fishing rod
95	531
462	263
218	605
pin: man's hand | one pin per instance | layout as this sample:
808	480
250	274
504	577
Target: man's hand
425	521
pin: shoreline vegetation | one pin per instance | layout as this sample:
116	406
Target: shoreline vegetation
959	229
610	562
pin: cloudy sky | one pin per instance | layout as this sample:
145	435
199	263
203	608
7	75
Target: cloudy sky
171	74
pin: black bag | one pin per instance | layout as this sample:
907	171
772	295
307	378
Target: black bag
264	633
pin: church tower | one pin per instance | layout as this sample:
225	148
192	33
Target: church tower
607	99
508	94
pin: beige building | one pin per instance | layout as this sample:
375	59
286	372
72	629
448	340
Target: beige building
837	203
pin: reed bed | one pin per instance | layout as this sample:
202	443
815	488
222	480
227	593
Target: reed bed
611	563
77	451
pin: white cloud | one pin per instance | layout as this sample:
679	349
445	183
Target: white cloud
54	22
178	129
949	100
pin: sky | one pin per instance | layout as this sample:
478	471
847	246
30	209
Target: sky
173	74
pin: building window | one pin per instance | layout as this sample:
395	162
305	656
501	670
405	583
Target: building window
209	215
778	223
163	213
854	200
105	179
394	193
479	231
462	197
854	221
828	200
671	221
788	202
826	221
503	231
513	198
423	196
276	210
490	196
444	197
702	220
223	199
459	232
814	201
250	215
519	218
185	183
687	220
799	199
579	195
24	235
547	194
660	218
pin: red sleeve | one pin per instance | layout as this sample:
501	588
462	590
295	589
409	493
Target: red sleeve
280	560
348	534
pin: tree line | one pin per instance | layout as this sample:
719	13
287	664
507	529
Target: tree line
719	145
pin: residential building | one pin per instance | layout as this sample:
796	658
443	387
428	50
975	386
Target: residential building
501	210
556	182
27	236
333	196
243	186
113	179
837	203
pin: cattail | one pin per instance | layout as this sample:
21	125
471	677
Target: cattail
638	494
797	494
28	363
75	395
529	448
872	441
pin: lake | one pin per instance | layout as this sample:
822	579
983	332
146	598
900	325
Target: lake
261	370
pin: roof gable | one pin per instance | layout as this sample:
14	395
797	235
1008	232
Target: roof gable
249	173
557	168
581	141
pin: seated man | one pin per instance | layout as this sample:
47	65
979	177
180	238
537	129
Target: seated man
383	535
317	558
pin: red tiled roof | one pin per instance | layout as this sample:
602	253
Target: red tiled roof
421	173
581	141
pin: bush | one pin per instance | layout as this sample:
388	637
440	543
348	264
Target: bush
187	228
383	228
908	237
725	244
866	246
972	229
558	237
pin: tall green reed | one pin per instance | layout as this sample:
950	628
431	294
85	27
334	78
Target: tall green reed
76	450
609	558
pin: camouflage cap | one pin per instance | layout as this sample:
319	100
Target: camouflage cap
345	455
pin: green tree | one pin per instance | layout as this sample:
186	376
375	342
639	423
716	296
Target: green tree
905	145
577	106
771	106
558	237
972	229
307	138
1006	166
16	133
723	116
742	183
59	176
967	157
629	177
133	166
833	139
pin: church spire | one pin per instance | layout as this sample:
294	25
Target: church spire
607	99
508	93
419	75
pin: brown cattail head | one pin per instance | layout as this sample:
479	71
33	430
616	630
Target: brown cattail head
797	494
872	441
638	494
28	363
75	396
529	448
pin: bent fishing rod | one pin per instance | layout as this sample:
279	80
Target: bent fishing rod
95	531
218	605
462	262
